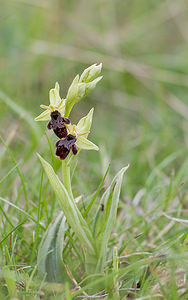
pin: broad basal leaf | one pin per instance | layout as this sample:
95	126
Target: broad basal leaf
71	211
50	255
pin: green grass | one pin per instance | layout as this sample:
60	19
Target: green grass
141	118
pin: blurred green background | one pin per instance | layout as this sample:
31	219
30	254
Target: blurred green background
140	105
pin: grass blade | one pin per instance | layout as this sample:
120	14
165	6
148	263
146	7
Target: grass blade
96	194
105	217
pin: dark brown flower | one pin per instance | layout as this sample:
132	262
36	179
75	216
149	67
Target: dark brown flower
64	146
57	123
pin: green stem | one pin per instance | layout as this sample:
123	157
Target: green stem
68	109
67	178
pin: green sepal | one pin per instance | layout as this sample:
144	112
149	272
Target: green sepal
85	144
44	116
84	124
54	96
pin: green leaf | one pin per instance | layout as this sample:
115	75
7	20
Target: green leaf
71	211
11	280
115	272
105	217
50	255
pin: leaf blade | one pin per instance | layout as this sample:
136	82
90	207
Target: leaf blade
50	254
71	211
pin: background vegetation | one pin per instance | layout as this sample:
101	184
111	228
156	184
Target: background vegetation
141	118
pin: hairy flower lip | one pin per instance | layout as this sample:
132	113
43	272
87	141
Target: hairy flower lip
65	145
58	124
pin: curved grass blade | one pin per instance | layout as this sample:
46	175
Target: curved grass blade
96	194
105	217
23	211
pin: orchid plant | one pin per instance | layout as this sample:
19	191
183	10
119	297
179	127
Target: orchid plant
93	232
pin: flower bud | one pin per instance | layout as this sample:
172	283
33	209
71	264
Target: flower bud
81	91
91	85
90	73
80	88
85	88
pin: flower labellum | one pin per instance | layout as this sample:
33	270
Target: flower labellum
57	123
64	146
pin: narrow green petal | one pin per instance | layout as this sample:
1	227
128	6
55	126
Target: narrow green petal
44	116
85	144
84	124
